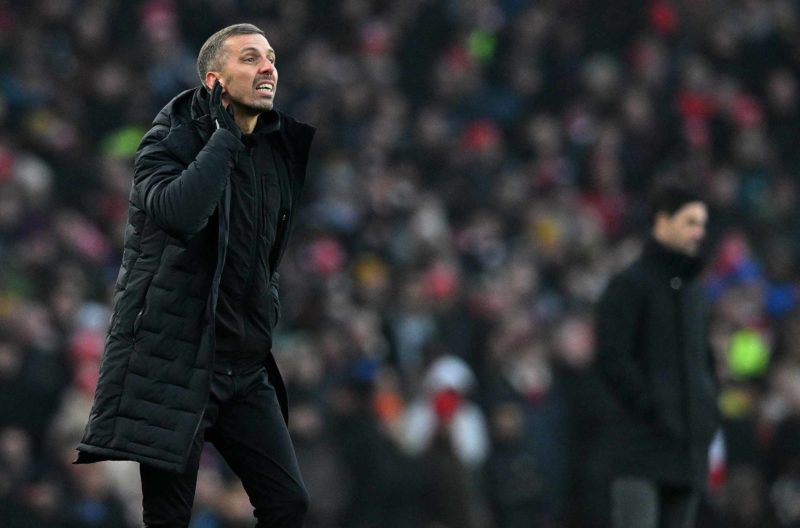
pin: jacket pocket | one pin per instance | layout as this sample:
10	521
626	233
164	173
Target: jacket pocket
276	300
137	323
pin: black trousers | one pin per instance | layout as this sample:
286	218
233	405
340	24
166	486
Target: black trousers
643	503
244	422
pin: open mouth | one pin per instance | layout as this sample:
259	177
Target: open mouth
265	88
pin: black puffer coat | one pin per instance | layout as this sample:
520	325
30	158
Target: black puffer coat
653	354
156	367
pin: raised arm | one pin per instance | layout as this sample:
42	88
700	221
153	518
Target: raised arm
178	197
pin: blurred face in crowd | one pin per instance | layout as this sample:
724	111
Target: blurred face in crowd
247	74
684	230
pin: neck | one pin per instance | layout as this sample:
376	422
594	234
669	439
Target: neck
666	246
672	261
665	242
246	122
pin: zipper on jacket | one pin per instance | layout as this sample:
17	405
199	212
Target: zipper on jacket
223	230
678	297
283	173
280	234
258	211
138	321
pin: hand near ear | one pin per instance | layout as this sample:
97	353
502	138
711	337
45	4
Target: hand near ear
223	117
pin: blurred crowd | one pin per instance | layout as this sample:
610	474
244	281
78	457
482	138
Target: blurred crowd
480	169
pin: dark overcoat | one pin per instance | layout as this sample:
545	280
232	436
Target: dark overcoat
654	356
155	371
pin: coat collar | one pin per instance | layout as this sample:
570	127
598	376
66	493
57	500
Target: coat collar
671	262
191	106
267	123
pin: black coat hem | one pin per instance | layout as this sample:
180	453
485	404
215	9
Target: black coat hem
89	454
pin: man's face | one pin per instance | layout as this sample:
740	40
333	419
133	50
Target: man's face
248	74
685	229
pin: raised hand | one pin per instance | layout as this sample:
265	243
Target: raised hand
222	116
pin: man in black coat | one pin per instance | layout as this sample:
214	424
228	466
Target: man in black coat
188	355
653	354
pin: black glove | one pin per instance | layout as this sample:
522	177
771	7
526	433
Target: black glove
222	116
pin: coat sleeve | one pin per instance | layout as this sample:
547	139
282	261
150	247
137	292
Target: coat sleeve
618	321
181	195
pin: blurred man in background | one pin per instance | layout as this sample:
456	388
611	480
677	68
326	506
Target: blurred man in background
654	357
188	355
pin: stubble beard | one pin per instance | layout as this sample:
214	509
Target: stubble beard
252	109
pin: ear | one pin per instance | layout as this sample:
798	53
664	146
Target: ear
211	78
663	217
660	220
